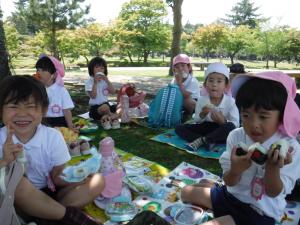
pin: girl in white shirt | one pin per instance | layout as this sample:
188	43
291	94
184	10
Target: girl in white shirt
50	72
98	87
189	85
23	103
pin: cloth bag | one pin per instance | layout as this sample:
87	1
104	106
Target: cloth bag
12	176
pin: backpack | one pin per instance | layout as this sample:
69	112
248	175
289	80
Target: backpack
165	109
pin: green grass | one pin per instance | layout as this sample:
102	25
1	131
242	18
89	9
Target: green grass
136	140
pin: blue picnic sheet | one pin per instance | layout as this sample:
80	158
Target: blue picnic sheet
171	138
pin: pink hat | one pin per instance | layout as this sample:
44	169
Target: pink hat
291	116
60	71
181	58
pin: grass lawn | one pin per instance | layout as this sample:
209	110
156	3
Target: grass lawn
136	140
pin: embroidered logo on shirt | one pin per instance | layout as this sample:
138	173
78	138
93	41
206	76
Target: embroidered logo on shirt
56	108
105	92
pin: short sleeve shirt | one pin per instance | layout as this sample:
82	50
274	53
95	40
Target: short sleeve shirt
45	150
102	91
59	99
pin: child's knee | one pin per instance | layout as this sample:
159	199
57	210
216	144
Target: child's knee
186	192
97	184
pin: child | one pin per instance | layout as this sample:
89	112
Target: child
31	201
98	87
183	77
216	113
50	72
253	193
235	69
23	103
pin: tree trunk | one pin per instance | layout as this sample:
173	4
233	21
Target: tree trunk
146	55
53	38
4	67
87	60
129	56
177	30
267	65
231	59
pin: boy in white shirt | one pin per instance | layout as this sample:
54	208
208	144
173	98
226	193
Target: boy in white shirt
254	193
216	113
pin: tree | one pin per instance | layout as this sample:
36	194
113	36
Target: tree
292	45
177	29
236	40
272	44
243	13
141	27
208	38
4	68
53	15
13	40
20	18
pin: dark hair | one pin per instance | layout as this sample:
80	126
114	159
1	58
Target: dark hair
15	89
45	64
97	61
262	93
237	68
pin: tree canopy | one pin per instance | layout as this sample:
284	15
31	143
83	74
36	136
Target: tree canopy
50	16
243	13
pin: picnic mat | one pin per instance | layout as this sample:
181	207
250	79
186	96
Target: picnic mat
171	138
167	190
131	162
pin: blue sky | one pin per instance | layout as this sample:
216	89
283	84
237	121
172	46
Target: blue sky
196	11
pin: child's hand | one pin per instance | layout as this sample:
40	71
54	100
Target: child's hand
74	128
178	78
240	163
274	158
217	117
10	150
205	111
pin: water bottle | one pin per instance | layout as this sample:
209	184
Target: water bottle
110	161
125	118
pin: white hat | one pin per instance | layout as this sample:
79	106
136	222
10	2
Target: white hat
217	67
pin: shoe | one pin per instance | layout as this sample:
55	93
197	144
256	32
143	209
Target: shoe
194	145
115	124
106	125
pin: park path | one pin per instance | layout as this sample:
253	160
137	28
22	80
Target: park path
149	84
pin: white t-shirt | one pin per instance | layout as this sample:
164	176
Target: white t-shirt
46	149
272	207
59	99
191	85
102	91
227	106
